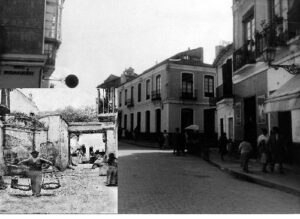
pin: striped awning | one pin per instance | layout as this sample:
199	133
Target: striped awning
286	98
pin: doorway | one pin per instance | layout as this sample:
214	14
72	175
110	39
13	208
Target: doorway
187	118
209	122
285	128
250	127
158	120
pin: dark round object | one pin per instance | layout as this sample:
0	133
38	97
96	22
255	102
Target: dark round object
72	81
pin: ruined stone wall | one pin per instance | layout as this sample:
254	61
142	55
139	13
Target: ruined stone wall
112	141
58	135
2	166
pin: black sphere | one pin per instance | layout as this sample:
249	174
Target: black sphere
72	81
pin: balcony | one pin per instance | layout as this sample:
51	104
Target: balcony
244	55
224	91
188	95
273	35
156	95
129	103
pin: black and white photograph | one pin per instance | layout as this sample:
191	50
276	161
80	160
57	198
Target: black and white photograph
150	107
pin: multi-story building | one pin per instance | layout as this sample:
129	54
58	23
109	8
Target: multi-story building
172	94
30	35
266	56
224	94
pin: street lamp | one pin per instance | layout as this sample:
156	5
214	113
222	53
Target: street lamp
269	56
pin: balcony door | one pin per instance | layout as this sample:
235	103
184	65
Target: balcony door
187	118
187	85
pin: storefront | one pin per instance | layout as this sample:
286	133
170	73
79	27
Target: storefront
286	103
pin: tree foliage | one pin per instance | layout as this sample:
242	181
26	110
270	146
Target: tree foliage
83	114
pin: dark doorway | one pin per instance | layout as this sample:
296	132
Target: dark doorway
125	122
131	122
147	121
209	122
187	118
250	129
221	125
285	129
139	121
158	120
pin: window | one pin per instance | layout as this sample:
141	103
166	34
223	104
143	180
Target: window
125	97
120	98
140	93
131	122
187	83
209	86
249	30
125	122
132	90
147	89
158	84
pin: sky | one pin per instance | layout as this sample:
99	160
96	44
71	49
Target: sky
103	37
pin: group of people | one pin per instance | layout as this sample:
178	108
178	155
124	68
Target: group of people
270	150
189	140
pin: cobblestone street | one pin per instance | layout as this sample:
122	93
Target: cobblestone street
153	181
82	191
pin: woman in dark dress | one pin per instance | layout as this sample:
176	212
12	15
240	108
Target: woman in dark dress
35	171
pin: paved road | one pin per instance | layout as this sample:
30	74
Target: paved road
82	191
153	181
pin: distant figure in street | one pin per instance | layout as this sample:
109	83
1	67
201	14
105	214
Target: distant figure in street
245	149
35	171
182	144
277	148
112	172
223	145
166	140
177	142
263	148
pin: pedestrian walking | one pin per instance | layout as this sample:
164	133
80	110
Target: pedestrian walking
223	145
166	140
245	149
112	172
35	171
262	145
277	148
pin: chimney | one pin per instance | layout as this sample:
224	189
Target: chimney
219	49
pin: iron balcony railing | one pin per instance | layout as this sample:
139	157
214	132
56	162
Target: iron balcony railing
273	35
244	55
156	95
188	95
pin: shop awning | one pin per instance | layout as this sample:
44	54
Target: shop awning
286	98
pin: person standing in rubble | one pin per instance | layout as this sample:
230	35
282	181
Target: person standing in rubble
35	171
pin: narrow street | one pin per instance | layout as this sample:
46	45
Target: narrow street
154	181
82	191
